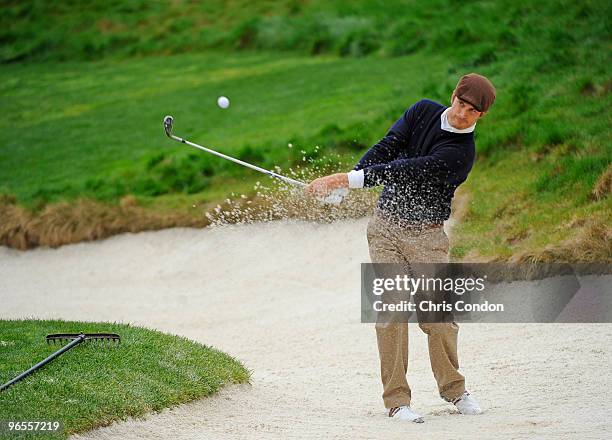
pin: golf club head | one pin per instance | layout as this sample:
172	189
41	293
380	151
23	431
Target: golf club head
168	120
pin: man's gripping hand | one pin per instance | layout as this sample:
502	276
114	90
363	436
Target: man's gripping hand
323	186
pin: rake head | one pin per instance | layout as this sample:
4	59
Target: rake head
63	338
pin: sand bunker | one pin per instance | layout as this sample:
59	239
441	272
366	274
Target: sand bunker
284	298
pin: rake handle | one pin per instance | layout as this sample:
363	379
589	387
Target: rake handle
80	338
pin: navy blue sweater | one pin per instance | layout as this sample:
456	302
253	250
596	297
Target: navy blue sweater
419	164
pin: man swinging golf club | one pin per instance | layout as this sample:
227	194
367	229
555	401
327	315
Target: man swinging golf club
421	161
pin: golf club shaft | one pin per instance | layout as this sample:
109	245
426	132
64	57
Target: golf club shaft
240	162
336	196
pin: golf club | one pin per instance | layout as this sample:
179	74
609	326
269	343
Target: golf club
335	197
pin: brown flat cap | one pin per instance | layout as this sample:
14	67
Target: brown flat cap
476	90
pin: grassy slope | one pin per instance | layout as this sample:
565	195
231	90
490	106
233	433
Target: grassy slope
93	129
80	121
508	219
93	385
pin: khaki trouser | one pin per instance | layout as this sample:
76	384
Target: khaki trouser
391	243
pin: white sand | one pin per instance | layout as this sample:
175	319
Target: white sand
284	298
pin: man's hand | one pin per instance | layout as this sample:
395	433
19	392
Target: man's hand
322	186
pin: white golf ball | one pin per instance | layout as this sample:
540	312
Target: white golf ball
223	102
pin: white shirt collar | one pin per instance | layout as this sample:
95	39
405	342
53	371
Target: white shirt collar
445	125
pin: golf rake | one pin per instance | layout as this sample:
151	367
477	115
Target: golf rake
75	339
335	197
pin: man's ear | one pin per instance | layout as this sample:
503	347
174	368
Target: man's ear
452	98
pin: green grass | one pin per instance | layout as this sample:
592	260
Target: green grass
329	74
90	30
95	128
93	385
513	211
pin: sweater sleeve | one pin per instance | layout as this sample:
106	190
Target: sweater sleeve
389	147
443	165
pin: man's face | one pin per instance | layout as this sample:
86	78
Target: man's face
462	114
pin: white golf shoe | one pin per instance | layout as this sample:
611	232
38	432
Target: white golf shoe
405	413
466	404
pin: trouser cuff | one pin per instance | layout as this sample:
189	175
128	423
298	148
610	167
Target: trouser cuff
452	396
395	402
